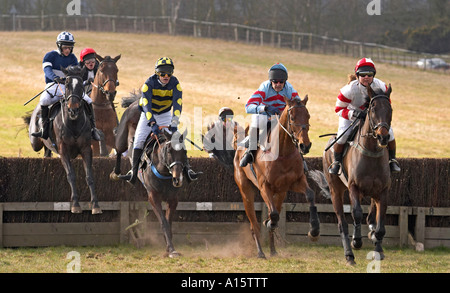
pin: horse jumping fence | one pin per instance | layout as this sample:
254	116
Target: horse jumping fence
132	226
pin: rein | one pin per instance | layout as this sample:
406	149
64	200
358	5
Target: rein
163	146
111	95
64	105
373	128
292	135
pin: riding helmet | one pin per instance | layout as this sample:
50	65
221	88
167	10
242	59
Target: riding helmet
65	39
278	72
164	64
86	54
224	112
364	65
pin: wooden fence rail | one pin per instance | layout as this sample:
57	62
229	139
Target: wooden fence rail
132	226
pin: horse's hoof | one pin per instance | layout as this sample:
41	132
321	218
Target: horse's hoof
313	238
174	254
113	176
350	260
357	243
273	254
97	211
76	210
261	255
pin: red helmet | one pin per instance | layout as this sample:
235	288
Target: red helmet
85	52
365	64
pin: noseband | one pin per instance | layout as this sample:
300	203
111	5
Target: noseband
169	166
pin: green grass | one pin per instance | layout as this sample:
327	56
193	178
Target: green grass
299	258
215	73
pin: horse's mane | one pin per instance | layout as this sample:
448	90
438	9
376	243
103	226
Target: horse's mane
74	70
134	96
351	77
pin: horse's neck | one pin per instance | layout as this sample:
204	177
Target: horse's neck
285	143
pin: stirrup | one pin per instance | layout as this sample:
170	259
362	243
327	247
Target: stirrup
193	175
95	134
247	159
127	176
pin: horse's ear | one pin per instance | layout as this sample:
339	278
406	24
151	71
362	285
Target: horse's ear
183	136
305	100
99	58
117	58
389	90
370	92
64	70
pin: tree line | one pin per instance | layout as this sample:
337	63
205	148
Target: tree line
417	25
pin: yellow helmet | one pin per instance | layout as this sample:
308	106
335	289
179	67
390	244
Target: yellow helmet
164	64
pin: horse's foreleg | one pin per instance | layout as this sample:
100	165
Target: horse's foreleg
338	206
87	163
170	213
380	231
357	215
314	223
155	201
249	205
71	178
116	172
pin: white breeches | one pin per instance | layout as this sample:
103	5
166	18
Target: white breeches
344	124
143	130
54	93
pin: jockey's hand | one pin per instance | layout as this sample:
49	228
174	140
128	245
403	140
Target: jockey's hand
59	79
155	128
357	114
271	110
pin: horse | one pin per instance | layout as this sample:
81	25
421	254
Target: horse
366	173
70	135
275	176
162	168
102	95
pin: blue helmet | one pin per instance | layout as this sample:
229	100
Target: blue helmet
278	71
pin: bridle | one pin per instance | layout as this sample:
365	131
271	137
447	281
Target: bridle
372	126
164	151
67	98
101	87
290	132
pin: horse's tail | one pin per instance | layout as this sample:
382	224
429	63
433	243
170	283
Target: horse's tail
318	177
27	117
134	96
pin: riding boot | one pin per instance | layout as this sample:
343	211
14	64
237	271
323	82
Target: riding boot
43	132
393	163
95	132
335	167
251	145
131	176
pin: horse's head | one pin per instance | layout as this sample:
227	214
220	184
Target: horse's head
74	91
298	123
173	155
107	79
380	115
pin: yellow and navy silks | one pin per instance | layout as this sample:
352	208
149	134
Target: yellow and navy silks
158	99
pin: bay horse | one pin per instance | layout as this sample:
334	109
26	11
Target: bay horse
273	178
103	95
70	135
162	169
366	170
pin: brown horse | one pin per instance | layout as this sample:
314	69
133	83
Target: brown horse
162	169
70	135
274	175
102	95
366	168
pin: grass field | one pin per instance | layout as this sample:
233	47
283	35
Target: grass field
299	258
215	73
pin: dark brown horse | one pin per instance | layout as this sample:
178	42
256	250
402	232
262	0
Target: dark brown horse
70	135
277	171
366	166
102	95
162	169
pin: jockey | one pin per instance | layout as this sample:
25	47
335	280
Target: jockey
54	79
220	135
160	93
89	69
267	101
350	106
